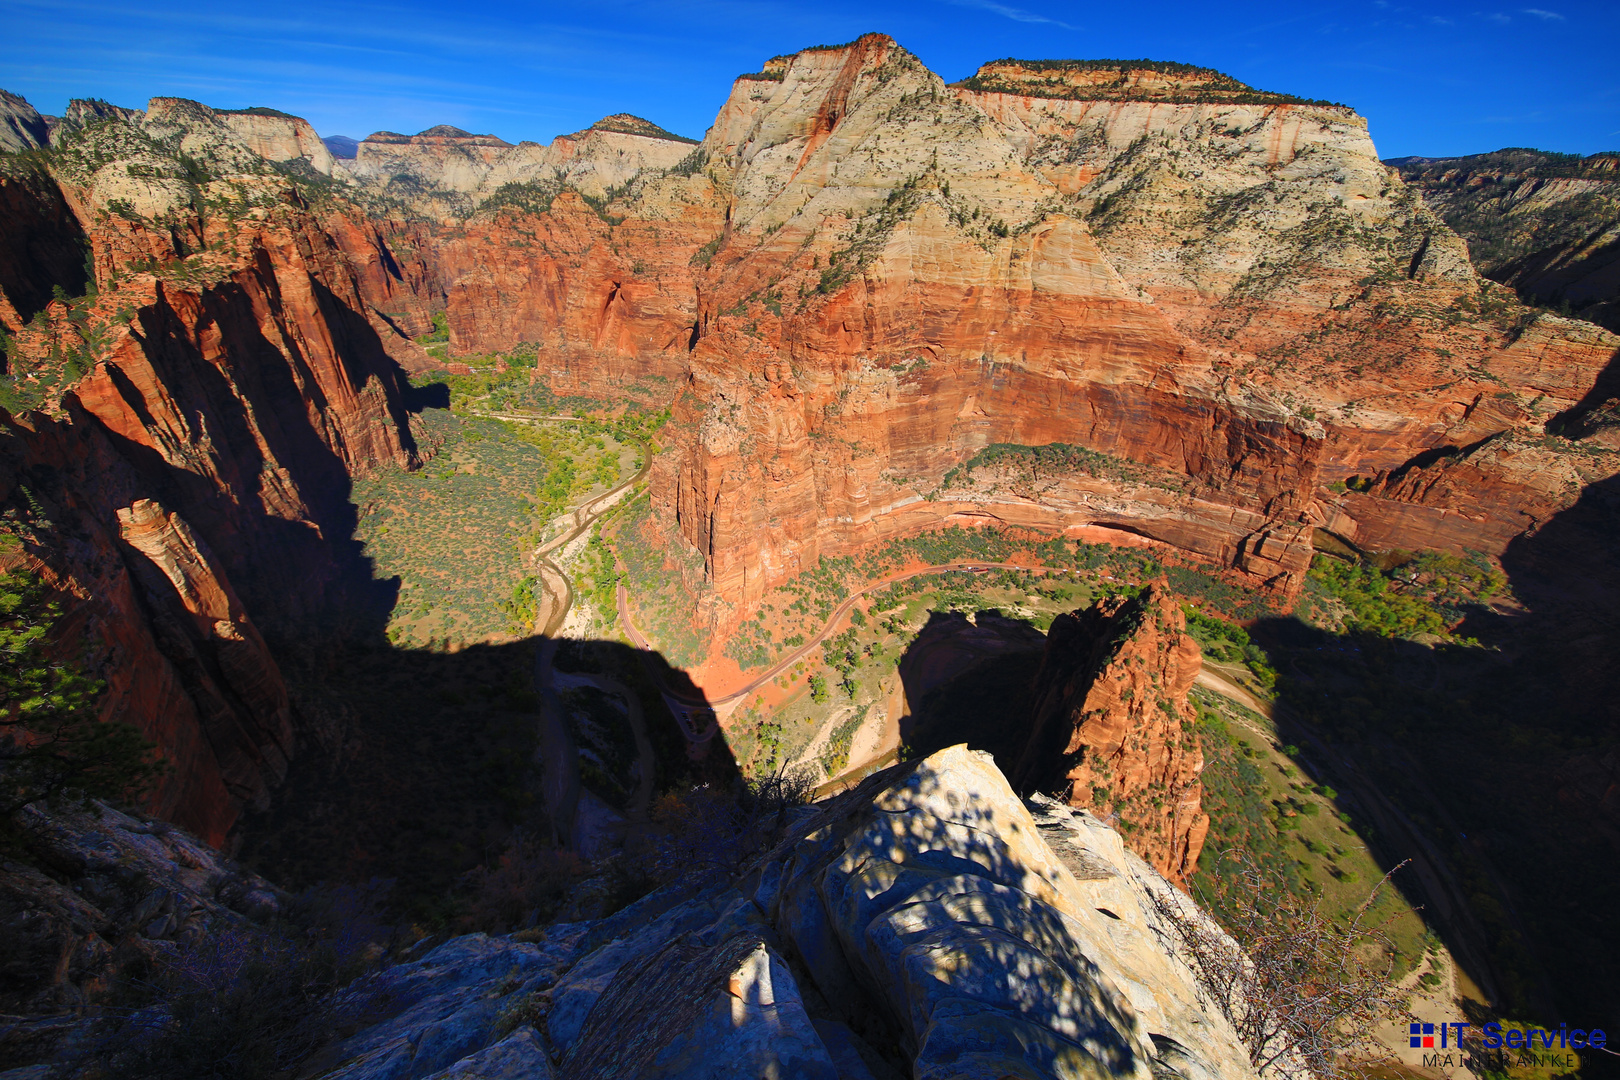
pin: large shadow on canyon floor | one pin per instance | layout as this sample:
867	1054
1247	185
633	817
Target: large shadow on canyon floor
1495	767
418	765
422	764
971	681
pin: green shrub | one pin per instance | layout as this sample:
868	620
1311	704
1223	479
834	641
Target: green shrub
53	745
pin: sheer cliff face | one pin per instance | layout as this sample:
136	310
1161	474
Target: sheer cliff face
1112	728
864	276
892	273
190	483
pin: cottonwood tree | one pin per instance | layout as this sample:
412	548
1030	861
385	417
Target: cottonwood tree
1304	991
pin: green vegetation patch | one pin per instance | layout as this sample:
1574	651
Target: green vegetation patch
53	744
457	532
797	609
1060	459
1405	595
1264	807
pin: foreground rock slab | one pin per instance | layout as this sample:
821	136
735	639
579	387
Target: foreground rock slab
926	924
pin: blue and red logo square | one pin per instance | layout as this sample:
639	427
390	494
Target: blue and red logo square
1422	1036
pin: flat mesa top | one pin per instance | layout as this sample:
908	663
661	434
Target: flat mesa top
1120	80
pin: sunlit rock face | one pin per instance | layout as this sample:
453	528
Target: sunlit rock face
926	924
864	276
445	172
1112	727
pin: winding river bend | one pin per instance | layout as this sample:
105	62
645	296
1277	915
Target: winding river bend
557	753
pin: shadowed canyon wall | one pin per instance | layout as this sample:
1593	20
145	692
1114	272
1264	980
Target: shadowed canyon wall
192	484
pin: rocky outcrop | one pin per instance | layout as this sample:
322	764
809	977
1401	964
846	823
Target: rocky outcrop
21	126
277	136
1112	730
82	112
925	924
1119	80
89	895
199	419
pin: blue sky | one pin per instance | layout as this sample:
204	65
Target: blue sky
1433	78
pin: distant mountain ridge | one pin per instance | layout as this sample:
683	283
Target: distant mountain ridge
1546	224
342	147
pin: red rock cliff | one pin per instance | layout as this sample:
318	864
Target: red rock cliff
863	277
1112	729
197	472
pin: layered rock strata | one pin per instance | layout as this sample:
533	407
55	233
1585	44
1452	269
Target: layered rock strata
859	280
225	383
864	276
1112	730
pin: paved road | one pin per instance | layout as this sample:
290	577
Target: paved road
832	623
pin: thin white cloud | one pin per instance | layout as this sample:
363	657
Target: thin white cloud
1007	12
1499	18
1438	21
1545	16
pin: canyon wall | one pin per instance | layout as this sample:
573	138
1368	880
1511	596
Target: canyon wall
177	453
1545	224
857	281
1236	293
862	277
445	173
